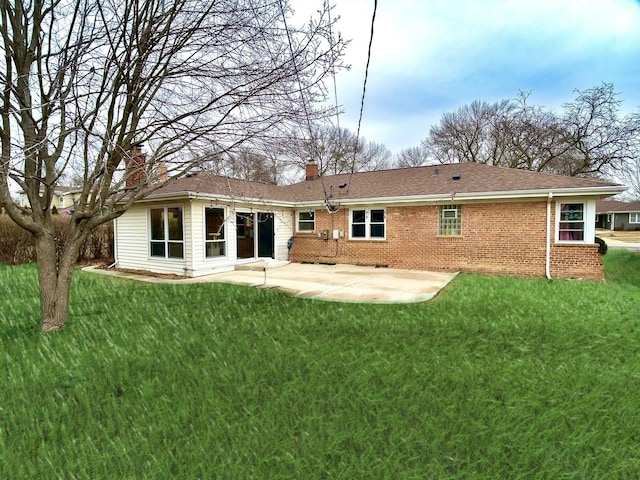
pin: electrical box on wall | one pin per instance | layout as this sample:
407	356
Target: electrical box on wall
336	234
324	234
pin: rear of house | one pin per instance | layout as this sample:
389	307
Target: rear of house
463	217
501	237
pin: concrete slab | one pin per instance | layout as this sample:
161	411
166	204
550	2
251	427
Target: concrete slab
340	283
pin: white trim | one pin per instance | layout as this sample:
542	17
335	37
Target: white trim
453	197
367	224
225	227
548	243
166	240
588	220
298	212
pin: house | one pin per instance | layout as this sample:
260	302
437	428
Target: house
461	217
615	215
63	200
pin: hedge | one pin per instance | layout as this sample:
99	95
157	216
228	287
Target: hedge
17	246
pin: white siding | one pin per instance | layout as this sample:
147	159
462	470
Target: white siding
201	264
132	238
284	231
132	241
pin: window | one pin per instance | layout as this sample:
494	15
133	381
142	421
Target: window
368	224
215	244
449	220
634	217
167	236
571	222
244	225
306	221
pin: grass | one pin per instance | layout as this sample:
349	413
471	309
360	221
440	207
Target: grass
496	378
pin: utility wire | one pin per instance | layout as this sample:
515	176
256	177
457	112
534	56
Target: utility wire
333	69
364	91
302	97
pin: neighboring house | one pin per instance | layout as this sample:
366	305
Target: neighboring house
63	199
461	217
615	215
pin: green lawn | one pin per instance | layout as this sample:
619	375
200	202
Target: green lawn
497	378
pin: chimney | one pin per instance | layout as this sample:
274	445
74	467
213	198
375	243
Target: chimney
161	174
311	171
135	163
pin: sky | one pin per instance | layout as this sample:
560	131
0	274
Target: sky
433	56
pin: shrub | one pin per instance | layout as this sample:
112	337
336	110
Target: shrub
17	246
602	249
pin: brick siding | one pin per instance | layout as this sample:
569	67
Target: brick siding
497	238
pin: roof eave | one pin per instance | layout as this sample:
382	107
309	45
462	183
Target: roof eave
598	192
190	195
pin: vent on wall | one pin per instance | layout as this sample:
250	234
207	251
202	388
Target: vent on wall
456	176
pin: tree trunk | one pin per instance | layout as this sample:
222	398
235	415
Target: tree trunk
54	277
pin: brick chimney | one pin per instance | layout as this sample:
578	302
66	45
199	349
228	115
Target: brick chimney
161	174
135	163
311	171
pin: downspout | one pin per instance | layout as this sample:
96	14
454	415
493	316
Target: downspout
115	243
548	249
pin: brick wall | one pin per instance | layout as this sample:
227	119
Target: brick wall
504	238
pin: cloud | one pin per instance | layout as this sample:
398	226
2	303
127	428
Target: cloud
432	56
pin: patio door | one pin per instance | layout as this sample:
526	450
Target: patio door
255	233
266	233
245	235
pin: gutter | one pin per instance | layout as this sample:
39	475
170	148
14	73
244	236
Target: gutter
508	195
548	246
468	197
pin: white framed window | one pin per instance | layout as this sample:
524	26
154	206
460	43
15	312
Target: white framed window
166	232
571	222
215	242
368	224
306	221
634	217
449	220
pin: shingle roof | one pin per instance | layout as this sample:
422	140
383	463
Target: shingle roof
208	184
404	182
606	206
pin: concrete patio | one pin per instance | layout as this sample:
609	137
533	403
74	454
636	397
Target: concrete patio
340	283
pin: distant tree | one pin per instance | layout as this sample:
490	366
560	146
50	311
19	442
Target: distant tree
473	133
248	163
589	137
601	140
338	150
85	82
631	177
374	156
412	157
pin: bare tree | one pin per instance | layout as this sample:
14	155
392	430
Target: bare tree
588	138
473	133
248	163
337	150
602	141
412	157
631	177
86	82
